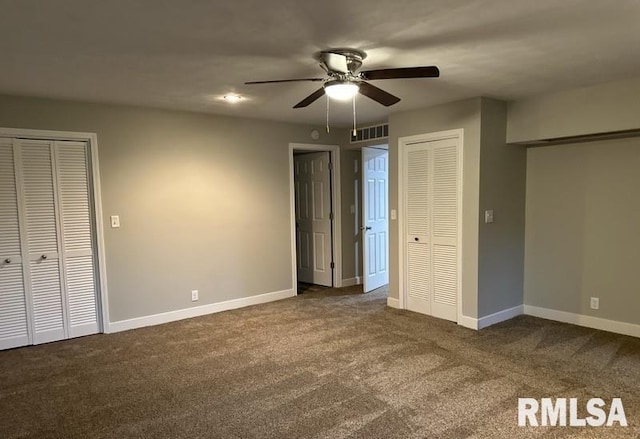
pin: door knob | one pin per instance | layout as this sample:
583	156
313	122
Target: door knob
7	261
44	256
365	228
416	238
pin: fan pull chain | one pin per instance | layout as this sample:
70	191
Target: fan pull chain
328	114
355	132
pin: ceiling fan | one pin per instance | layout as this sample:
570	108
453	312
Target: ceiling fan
344	78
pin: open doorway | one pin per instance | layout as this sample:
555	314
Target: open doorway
375	220
315	216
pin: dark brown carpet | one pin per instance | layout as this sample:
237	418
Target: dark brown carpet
310	288
329	364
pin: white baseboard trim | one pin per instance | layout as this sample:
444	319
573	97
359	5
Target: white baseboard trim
582	320
196	311
351	281
500	316
393	303
468	322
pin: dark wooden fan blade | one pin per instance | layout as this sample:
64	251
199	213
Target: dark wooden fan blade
285	80
310	99
378	95
406	72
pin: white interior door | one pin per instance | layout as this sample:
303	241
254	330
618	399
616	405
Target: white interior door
13	307
375	224
312	178
432	192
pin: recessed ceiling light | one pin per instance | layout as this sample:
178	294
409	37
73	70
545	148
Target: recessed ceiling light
232	98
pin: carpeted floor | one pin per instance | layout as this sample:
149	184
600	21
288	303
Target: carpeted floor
304	287
326	364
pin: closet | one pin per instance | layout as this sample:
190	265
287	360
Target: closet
432	193
48	283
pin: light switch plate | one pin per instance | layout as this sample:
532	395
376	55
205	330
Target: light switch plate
115	221
488	216
394	214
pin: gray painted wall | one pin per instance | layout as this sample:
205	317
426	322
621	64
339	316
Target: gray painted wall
502	189
598	109
203	200
582	239
462	114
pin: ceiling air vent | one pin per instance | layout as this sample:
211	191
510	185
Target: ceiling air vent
370	133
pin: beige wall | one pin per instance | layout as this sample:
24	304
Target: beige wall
582	228
502	189
602	108
203	200
462	114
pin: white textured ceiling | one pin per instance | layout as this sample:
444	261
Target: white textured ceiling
186	54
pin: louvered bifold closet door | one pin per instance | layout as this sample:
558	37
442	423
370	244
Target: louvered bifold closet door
71	159
43	265
432	192
444	230
418	227
13	308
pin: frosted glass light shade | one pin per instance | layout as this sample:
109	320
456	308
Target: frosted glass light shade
341	90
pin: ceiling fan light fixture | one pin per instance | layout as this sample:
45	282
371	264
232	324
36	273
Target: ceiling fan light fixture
341	90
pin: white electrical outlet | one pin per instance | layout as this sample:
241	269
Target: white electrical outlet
194	295
595	303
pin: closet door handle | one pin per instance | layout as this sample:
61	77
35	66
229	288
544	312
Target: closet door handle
44	257
7	261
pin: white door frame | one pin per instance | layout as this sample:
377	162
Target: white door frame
334	152
403	142
92	140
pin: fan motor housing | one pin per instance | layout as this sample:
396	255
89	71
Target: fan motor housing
354	57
